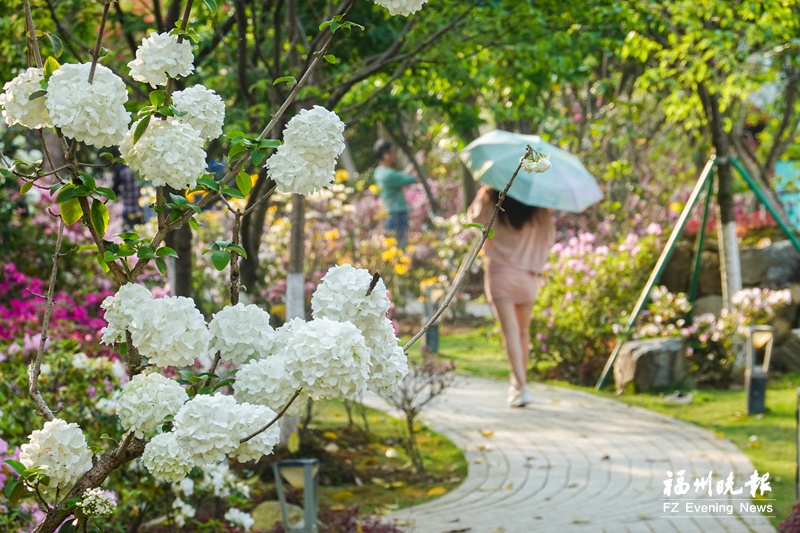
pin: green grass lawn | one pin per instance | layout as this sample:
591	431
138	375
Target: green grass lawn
768	440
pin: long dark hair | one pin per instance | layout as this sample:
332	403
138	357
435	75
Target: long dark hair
514	213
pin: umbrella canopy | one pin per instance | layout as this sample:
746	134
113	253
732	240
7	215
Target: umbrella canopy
567	186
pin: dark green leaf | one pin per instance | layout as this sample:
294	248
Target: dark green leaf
235	150
87	180
178	200
258	156
211	5
141	127
208	181
67	527
238	249
224	383
194	224
129	236
99	216
105	192
71	191
109	255
205	390
233	193
35	95
55	42
10	487
71	211
244	182
220	259
102	263
161	265
269	143
18	467
17	493
72	502
166	251
157	98
177	112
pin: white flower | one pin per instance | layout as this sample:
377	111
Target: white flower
542	165
527	164
92	113
18	108
312	141
209	427
240	518
264	382
107	406
186	486
170	331
241	333
389	361
146	400
80	361
159	56
205	110
401	7
121	310
329	359
165	459
217	477
61	448
184	511
168	153
342	296
254	417
98	502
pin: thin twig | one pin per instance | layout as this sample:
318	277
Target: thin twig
275	419
184	24
33	42
465	268
235	274
35	368
260	200
99	43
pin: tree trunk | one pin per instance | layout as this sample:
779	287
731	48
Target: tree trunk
253	231
295	280
730	266
401	140
180	240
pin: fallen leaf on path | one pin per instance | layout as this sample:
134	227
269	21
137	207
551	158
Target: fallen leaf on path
437	491
486	432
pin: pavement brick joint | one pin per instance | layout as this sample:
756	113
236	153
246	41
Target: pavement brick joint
573	462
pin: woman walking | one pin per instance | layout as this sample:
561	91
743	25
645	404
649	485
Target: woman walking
514	260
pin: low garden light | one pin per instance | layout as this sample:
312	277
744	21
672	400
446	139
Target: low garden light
300	474
759	340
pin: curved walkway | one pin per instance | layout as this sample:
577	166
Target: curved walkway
573	461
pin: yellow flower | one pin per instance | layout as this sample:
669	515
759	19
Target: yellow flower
428	282
331	235
400	269
389	242
390	254
194	196
373	189
341	175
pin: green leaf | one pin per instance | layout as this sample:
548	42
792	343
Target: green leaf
224	383
161	265
105	192
10	486
211	5
238	249
166	251
145	252
220	259
71	191
205	390
491	234
157	98
108	255
103	264
71	211
68	527
141	127
208	181
72	502
244	182
177	112
17	493
18	467
88	248
233	193
35	95
332	59
50	65
88	181
25	187
99	216
129	236
475	225
55	42
195	225
290	80
258	156
235	150
269	143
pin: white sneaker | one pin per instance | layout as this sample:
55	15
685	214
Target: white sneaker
525	396
515	398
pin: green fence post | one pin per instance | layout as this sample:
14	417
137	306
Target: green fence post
698	251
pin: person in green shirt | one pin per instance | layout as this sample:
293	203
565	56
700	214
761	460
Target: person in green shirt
391	183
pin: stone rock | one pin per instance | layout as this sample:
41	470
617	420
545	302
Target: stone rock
651	363
678	270
710	280
783	262
267	513
708	304
754	267
786	356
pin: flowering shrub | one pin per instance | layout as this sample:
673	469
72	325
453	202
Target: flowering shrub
586	289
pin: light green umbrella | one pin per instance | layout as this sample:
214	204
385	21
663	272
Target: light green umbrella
567	186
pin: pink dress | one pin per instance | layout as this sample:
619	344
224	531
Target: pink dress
514	258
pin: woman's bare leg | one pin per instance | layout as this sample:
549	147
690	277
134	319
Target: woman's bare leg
523	312
507	316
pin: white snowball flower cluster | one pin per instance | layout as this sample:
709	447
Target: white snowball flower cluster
159	56
170	331
328	359
306	161
241	333
264	382
401	7
168	153
121	310
18	108
209	427
240	518
165	459
253	418
146	400
205	110
342	296
540	165
389	361
61	448
98	502
92	113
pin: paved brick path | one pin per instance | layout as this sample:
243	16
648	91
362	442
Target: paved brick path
574	462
